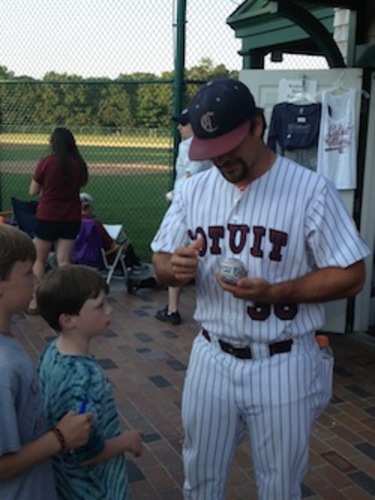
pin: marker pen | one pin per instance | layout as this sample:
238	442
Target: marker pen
82	408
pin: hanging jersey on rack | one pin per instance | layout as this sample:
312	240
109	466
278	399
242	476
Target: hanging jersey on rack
294	132
337	149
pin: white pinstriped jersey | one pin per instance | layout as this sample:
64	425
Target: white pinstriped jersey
186	167
284	225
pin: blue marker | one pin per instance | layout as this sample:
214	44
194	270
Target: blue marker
82	408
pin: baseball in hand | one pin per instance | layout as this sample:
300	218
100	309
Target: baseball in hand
232	270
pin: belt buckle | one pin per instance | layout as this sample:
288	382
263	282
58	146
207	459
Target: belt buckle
227	347
246	353
230	349
237	352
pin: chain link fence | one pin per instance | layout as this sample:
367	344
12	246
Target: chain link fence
105	69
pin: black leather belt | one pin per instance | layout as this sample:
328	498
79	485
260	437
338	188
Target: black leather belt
245	352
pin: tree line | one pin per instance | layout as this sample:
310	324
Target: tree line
137	100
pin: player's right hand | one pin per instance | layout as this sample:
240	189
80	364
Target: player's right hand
75	428
184	261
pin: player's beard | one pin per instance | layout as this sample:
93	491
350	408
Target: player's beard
236	172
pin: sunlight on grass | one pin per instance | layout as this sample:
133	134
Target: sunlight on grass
111	140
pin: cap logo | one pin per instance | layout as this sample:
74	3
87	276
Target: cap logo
207	122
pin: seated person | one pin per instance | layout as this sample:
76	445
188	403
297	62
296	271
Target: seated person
132	261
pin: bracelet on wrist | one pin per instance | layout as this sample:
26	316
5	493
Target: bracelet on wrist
60	438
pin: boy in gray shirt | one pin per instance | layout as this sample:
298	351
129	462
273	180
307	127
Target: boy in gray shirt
26	444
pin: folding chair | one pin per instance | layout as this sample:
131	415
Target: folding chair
88	249
24	215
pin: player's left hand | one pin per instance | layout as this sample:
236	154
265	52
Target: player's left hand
255	289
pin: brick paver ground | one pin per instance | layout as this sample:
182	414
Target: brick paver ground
146	361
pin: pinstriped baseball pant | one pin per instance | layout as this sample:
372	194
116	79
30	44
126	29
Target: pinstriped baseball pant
277	399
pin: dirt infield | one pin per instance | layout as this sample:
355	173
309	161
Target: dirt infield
27	167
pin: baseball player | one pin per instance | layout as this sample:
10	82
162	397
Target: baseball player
255	363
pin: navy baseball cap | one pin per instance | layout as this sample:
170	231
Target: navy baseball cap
183	118
220	115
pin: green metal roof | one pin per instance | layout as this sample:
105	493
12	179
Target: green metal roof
287	25
299	27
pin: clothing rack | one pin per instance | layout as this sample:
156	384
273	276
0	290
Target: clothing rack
303	97
340	87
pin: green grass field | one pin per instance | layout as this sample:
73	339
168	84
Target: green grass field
91	154
134	198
